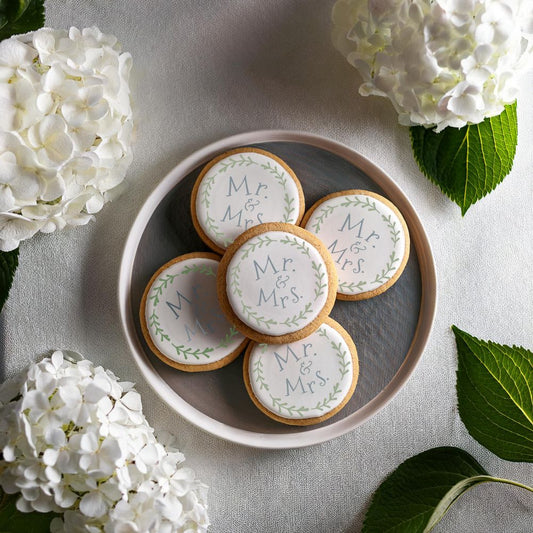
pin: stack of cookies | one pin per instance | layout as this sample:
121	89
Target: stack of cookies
271	283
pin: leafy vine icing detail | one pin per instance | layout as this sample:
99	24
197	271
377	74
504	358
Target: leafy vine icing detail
234	278
303	379
286	209
359	240
157	330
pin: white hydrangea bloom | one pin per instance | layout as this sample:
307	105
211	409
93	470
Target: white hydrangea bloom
65	129
74	440
441	63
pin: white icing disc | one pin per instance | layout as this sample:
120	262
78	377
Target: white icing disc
241	190
366	237
310	378
277	283
183	320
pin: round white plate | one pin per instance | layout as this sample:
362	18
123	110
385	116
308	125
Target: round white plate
390	330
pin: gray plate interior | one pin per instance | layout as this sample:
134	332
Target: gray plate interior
382	327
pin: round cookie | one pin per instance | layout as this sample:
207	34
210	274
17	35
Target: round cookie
181	319
367	237
241	189
303	382
276	283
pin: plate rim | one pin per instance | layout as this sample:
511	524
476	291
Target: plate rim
428	304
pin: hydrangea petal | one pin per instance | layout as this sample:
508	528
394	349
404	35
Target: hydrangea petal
93	505
13	53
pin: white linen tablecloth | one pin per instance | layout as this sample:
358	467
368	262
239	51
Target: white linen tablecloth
204	70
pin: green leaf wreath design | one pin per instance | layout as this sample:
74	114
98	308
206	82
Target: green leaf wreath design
215	230
320	279
251	246
225	342
234	280
298	317
257	372
154	321
394	234
331	397
253	316
242	160
367	203
301	245
344	360
257	242
344	286
285	409
289	208
237	160
322	215
386	273
202	269
208	183
157	291
187	351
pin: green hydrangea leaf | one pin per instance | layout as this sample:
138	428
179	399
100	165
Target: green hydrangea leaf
469	162
20	16
495	395
420	491
8	265
13	521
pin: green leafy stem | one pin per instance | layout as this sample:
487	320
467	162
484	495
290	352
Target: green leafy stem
207	185
225	342
253	316
297	243
236	161
234	280
154	323
202	269
394	232
357	202
290	410
257	371
258	242
157	291
298	317
320	279
288	209
346	287
323	214
215	230
344	362
331	397
186	352
279	176
389	267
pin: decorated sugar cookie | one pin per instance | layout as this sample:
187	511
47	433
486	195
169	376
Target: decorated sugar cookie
277	283
303	382
241	189
367	237
181	319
